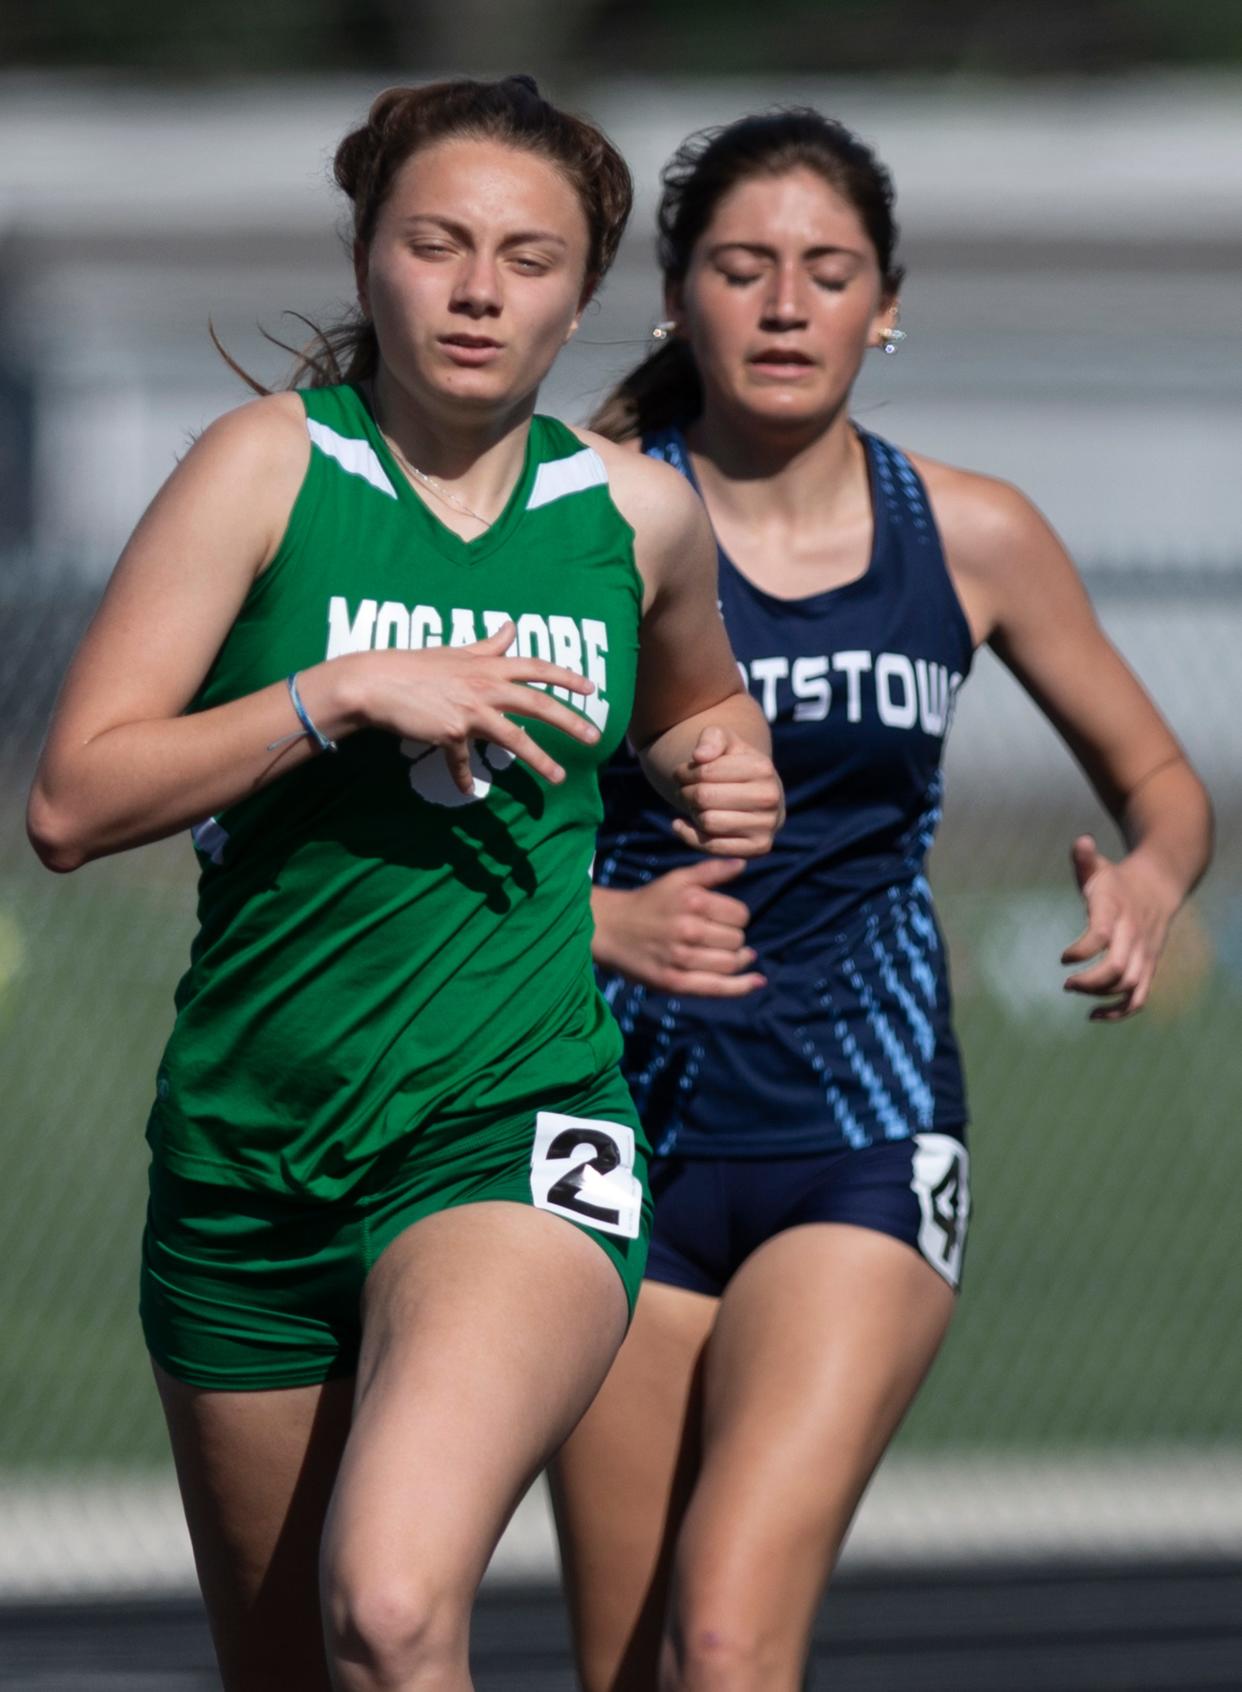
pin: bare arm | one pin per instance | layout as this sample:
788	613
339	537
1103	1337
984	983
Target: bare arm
702	740
1027	600
123	764
704	744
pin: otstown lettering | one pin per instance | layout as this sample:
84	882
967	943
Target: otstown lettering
906	692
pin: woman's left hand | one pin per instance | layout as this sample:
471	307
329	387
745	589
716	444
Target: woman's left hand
733	795
1129	910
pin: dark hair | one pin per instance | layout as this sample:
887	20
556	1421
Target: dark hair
400	123
665	388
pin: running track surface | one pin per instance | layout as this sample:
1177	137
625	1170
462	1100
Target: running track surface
1097	1627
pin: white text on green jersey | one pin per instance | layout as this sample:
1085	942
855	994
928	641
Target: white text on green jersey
575	643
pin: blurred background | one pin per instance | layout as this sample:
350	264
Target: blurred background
1068	189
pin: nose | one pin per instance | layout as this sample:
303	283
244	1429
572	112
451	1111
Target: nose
476	287
784	304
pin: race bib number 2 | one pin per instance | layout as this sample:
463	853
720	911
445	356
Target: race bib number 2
583	1168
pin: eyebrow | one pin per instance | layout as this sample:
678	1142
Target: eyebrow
758	250
518	238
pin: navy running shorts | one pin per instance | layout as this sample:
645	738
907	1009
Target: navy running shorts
711	1213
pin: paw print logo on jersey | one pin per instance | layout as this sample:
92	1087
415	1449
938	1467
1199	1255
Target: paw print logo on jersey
430	778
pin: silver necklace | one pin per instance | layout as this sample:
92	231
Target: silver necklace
437	488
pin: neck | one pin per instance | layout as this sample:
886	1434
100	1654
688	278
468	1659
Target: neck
477	454
764	475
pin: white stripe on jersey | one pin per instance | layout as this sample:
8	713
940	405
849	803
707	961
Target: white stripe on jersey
358	457
561	476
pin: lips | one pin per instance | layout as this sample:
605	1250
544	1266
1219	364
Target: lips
781	357
470	350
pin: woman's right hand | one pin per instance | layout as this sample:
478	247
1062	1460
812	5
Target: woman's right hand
678	934
451	697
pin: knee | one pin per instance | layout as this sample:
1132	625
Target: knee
385	1628
715	1647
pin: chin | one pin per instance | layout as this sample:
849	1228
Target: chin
498	388
793	407
475	390
786	411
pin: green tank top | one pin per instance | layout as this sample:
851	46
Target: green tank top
375	947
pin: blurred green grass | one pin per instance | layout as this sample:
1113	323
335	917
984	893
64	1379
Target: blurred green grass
1103	1299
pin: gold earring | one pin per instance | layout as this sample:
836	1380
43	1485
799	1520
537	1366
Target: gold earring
892	338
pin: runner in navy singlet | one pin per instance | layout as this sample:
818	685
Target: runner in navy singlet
850	1041
787	1021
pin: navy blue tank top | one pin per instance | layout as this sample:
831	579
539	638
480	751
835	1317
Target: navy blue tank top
851	1040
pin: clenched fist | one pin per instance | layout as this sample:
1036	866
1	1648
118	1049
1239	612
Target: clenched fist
732	794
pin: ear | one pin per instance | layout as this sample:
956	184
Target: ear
674	302
589	286
886	317
362	260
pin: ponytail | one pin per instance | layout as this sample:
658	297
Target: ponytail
664	389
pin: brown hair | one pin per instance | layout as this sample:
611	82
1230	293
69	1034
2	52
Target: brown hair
400	123
666	388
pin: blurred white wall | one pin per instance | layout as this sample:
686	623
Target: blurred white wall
1072	305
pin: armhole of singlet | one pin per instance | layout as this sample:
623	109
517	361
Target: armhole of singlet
946	575
301	518
554	429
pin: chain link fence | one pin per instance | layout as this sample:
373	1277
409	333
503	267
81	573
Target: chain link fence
1088	1394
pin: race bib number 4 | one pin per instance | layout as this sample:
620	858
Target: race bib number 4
583	1168
942	1185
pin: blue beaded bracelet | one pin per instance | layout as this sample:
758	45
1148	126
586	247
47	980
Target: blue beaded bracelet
304	717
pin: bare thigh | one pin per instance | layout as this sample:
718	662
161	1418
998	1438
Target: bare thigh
620	1486
822	1340
486	1332
256	1471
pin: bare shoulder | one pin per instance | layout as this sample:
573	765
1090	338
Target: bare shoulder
1007	562
673	542
230	496
983	521
242	475
264	435
655	500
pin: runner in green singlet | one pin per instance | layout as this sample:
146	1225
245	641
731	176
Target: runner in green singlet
371	643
